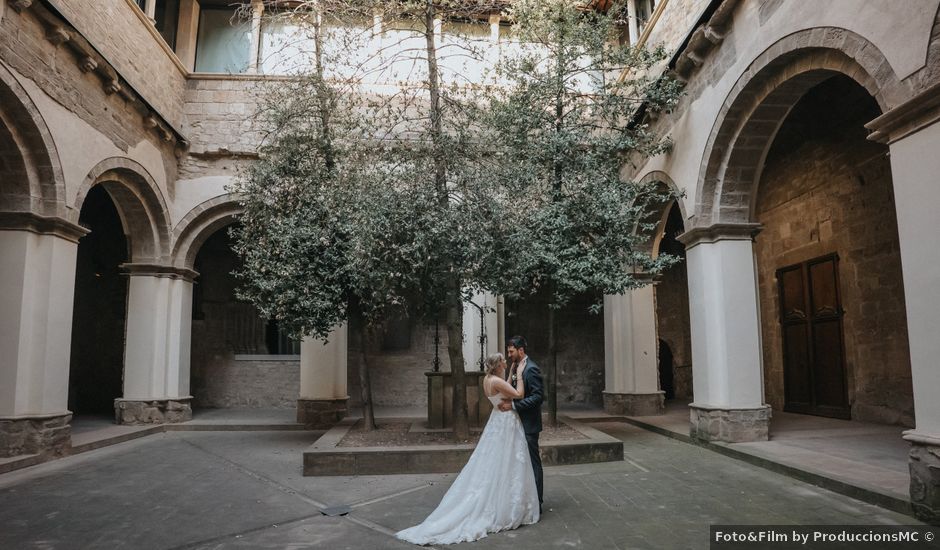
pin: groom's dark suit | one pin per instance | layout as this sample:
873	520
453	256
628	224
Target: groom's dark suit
530	413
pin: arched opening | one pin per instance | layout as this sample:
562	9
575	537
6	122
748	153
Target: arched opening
239	360
829	272
99	317
673	326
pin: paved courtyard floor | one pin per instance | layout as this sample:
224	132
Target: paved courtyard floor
230	489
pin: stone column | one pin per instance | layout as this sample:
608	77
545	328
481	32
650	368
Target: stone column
257	10
186	33
631	372
632	22
913	135
726	347
323	394
37	278
157	346
150	8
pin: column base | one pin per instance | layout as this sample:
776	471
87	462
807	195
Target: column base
635	404
320	414
47	435
133	412
729	425
924	466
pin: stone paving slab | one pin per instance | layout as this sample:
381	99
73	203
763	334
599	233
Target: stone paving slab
246	490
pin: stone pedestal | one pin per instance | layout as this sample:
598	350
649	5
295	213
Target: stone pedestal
925	476
323	397
441	399
134	412
635	404
51	435
729	425
321	414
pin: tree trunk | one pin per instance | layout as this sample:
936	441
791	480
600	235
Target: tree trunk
365	382
551	386
455	353
454	304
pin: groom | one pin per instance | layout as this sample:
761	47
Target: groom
530	406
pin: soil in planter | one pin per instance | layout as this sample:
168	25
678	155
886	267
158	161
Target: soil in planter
397	434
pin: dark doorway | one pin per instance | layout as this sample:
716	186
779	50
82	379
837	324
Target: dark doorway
96	367
811	319
666	378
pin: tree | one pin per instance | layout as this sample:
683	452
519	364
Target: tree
365	200
564	124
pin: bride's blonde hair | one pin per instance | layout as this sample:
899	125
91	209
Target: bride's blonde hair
492	363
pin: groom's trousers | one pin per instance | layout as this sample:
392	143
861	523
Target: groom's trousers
533	442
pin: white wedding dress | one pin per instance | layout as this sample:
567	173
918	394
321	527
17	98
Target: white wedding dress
494	492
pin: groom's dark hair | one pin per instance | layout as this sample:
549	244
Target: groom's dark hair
518	342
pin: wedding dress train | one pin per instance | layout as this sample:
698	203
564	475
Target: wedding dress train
494	492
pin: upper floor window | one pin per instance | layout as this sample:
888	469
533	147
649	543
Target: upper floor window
223	43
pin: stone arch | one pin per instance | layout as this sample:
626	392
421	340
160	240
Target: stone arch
140	203
31	178
199	224
663	179
759	102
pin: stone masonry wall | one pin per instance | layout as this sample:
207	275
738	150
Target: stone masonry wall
116	31
398	378
580	347
220	115
673	326
827	189
249	383
24	47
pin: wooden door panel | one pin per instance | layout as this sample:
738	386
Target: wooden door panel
797	389
811	323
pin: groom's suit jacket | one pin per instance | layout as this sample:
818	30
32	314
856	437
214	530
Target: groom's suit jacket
530	406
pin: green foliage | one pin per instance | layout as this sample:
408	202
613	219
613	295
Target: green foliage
564	127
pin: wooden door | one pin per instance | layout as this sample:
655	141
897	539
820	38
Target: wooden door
813	350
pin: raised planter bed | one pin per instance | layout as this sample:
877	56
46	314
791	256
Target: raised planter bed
326	458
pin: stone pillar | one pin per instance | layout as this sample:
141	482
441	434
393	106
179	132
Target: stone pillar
632	22
323	393
631	372
913	135
150	8
186	33
726	347
37	278
257	10
157	346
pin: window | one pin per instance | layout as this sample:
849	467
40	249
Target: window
277	341
223	44
166	19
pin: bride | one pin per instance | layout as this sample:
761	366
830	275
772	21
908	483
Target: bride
495	491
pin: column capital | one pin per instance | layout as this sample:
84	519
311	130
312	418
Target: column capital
913	115
719	232
157	270
42	225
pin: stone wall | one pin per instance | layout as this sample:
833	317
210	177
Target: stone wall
673	326
827	189
220	114
580	347
25	48
398	378
134	51
231	381
675	23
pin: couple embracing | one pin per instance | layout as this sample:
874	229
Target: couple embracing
500	488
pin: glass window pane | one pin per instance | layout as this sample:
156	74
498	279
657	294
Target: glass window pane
223	44
167	18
